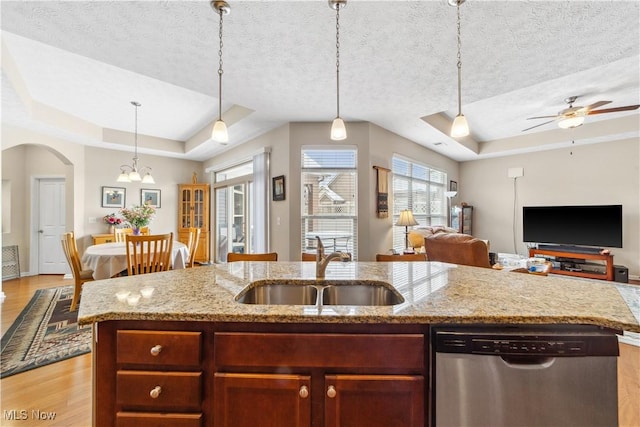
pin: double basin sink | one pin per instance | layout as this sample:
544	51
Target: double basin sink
354	292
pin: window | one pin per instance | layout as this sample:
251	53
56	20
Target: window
421	189
329	199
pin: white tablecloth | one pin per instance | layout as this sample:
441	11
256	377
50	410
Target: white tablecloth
109	259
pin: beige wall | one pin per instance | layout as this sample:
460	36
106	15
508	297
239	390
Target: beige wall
27	155
597	174
606	173
375	147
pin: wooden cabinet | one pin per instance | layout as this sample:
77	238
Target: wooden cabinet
274	399
99	239
345	379
158	378
193	211
462	219
183	374
374	400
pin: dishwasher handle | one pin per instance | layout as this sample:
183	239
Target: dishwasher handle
528	362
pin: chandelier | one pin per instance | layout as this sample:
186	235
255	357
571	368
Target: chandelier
133	173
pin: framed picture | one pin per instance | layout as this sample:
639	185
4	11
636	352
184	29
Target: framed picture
113	197
150	197
278	188
453	186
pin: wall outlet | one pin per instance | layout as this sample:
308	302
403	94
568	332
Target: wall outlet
515	172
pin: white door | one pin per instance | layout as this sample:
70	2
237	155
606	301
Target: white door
51	225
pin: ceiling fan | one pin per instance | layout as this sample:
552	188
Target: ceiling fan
572	117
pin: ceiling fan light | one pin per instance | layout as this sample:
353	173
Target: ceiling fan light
571	122
460	127
148	179
338	130
123	177
220	133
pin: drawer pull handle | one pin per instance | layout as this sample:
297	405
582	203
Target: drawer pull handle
304	392
156	349
155	393
331	392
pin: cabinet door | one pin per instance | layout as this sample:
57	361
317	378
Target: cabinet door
374	401
250	400
467	220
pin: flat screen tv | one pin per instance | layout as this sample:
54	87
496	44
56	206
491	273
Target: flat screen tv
589	225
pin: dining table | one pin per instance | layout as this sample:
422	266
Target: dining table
110	259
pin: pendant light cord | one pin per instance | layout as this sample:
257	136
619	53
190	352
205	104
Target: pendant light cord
135	135
459	63
220	69
338	60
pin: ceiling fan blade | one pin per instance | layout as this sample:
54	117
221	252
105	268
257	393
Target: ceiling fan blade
613	110
542	117
595	105
541	124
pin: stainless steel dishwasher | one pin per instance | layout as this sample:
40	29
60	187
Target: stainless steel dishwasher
546	376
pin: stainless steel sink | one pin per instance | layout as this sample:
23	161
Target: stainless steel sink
369	294
283	294
288	293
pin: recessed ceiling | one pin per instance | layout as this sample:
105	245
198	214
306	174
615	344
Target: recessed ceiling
89	59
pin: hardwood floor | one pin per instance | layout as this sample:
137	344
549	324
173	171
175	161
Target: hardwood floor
64	388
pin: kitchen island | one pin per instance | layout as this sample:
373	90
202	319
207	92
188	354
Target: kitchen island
165	358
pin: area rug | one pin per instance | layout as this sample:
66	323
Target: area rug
45	332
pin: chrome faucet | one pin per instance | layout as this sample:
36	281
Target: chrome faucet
322	260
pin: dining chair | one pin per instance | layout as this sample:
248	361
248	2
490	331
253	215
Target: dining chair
80	276
270	256
120	233
148	254
400	257
192	245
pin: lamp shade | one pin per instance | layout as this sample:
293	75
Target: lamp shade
406	218
460	127
338	130
450	194
148	179
220	133
123	177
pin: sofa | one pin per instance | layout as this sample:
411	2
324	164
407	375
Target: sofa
457	248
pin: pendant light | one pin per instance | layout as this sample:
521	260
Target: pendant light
134	174
460	127
219	132
338	129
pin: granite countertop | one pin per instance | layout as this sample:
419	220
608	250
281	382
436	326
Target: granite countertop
433	292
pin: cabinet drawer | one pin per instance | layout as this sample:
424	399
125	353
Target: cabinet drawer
376	351
144	419
177	391
159	348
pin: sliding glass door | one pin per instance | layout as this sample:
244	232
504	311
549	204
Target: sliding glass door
233	221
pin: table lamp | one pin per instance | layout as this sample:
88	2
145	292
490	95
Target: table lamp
406	219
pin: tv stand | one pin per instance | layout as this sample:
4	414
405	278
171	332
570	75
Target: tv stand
580	258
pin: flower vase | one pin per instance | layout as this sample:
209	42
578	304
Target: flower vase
112	229
136	231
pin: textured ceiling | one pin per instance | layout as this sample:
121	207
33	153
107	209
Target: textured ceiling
88	59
